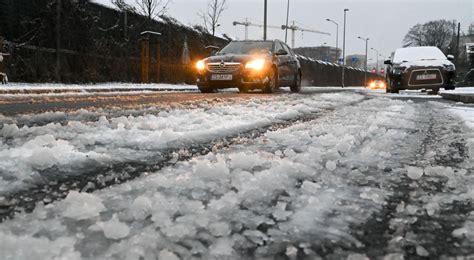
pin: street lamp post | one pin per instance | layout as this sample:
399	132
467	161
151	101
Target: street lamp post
287	18
366	54
265	21
377	59
337	37
344	48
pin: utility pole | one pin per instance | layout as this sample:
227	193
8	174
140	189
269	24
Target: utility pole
287	18
337	38
265	21
344	49
457	43
58	41
366	58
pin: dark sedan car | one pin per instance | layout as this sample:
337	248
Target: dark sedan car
420	68
249	65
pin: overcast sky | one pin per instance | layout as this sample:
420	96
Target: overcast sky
385	22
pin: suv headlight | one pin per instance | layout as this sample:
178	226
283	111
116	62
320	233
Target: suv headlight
450	67
398	70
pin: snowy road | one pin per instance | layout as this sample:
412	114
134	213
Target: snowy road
335	175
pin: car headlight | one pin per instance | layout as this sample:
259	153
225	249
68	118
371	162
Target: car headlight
200	65
257	64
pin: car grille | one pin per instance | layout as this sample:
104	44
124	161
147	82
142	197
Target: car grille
436	81
227	67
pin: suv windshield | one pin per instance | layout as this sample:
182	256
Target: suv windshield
418	54
247	47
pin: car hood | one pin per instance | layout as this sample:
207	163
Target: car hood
232	58
425	64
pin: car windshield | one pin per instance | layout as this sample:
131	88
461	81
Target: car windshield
418	54
247	47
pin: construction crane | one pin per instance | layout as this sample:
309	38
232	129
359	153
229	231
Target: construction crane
246	23
295	28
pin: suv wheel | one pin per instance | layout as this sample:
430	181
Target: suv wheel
391	88
434	91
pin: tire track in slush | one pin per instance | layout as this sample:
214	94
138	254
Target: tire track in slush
102	177
433	233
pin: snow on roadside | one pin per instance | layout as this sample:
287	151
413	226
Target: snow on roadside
289	191
466	90
466	113
31	154
102	86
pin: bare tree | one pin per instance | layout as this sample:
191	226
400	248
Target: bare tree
152	8
211	18
149	8
435	33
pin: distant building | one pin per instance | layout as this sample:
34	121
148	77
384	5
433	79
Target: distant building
325	53
355	61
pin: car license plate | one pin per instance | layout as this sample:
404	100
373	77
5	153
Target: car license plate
426	77
226	77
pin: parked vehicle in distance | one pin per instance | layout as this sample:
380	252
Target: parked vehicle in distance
420	68
249	65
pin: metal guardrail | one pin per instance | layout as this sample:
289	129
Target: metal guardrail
321	73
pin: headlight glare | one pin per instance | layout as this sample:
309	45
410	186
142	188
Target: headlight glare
200	65
257	64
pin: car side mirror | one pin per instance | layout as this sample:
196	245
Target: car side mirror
387	62
450	57
281	52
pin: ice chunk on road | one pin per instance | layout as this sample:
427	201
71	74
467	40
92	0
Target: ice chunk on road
331	165
82	206
114	229
219	229
167	255
357	257
141	207
37	247
222	248
414	173
421	251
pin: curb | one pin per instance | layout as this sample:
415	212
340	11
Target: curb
465	98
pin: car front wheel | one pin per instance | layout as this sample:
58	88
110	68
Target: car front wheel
271	86
297	85
208	90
